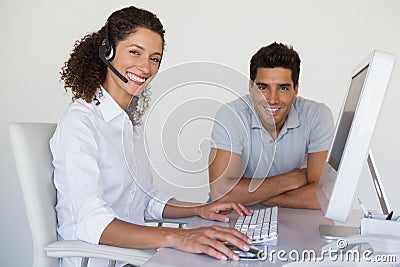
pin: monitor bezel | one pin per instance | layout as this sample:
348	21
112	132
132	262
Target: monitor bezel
335	190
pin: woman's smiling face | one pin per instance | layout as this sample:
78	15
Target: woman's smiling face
137	58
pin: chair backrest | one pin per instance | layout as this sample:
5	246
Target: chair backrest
33	159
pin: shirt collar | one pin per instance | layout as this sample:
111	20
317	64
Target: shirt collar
254	119
293	120
109	108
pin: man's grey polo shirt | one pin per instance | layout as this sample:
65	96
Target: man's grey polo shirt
308	128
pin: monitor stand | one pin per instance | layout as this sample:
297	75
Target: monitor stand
376	179
334	232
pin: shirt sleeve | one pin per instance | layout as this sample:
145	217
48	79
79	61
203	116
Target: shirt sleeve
156	200
75	155
227	129
322	129
156	203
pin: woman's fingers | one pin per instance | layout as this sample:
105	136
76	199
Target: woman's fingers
211	241
240	209
215	209
218	250
228	235
232	232
214	216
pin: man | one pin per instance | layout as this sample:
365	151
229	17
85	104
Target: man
270	133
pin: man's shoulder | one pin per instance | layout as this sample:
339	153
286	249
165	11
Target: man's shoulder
312	113
307	105
240	108
241	103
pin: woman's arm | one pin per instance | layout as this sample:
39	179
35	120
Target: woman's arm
212	211
207	240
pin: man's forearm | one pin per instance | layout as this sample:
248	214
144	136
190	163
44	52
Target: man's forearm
302	198
240	190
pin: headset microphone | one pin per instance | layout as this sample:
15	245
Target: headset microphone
106	54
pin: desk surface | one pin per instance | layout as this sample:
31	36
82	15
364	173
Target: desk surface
298	230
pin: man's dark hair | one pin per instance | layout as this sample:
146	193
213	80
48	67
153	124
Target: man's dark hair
276	55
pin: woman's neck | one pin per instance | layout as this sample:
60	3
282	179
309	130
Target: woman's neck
120	96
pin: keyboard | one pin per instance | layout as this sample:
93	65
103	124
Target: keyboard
261	226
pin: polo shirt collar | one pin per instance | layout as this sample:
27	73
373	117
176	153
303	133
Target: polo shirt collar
255	122
292	120
109	108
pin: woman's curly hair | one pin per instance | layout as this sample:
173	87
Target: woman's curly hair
84	71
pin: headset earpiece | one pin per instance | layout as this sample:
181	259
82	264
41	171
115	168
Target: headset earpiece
106	54
109	51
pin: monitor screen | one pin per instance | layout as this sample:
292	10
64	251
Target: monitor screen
346	119
354	130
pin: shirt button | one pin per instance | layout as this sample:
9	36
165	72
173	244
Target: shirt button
127	214
271	141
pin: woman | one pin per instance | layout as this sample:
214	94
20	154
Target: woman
102	174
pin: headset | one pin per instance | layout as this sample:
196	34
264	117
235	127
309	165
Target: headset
107	54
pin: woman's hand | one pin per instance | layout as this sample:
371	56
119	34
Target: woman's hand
212	241
213	211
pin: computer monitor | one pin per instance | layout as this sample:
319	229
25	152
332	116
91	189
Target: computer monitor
354	130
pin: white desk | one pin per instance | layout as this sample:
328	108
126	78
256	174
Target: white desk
298	229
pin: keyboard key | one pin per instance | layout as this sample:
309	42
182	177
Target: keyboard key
261	226
260	218
254	217
267	215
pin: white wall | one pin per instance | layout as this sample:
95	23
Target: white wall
331	37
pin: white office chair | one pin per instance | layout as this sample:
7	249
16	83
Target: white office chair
33	159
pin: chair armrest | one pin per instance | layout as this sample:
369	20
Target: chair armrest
180	222
75	248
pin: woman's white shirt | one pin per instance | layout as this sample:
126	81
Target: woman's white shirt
102	171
